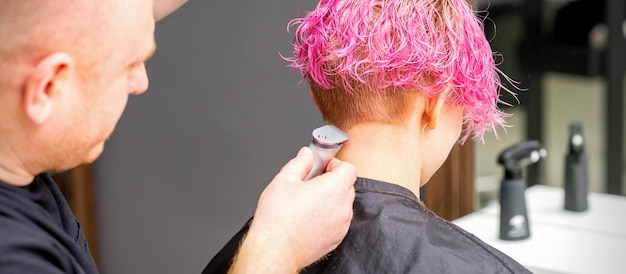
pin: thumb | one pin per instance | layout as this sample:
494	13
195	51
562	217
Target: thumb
299	166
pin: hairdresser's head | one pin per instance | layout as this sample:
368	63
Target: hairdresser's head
365	60
66	70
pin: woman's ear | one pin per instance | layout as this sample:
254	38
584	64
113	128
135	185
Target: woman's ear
42	86
434	106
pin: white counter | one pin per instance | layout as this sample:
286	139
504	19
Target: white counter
561	241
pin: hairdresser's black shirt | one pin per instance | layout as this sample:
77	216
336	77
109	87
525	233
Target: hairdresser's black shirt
38	232
393	232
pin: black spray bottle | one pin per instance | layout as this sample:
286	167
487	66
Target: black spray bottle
576	182
514	223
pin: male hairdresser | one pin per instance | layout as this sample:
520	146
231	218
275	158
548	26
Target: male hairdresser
67	68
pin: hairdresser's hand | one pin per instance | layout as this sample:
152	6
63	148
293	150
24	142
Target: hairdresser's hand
163	8
297	222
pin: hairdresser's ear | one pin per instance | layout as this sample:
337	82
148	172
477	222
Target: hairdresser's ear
42	86
434	109
314	100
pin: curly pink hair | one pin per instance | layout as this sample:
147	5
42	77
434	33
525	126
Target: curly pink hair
425	45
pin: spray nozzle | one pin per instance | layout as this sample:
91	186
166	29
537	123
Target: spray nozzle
576	140
520	155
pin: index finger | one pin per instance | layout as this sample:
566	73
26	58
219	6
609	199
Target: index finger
339	172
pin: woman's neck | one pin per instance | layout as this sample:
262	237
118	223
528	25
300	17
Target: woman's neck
386	153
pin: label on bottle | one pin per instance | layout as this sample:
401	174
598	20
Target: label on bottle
518	226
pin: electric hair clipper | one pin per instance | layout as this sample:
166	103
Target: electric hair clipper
327	140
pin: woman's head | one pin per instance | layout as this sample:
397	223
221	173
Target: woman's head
363	58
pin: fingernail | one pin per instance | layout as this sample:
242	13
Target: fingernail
303	151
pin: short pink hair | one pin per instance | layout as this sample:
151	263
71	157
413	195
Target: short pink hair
425	45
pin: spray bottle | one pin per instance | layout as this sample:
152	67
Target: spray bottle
514	223
576	177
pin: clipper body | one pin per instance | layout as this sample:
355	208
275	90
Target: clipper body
327	140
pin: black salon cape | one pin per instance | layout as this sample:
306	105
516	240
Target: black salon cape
38	232
393	232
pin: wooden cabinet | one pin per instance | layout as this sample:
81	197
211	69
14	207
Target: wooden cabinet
450	192
77	187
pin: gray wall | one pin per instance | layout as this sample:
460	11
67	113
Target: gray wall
189	158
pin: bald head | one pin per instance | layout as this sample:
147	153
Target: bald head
66	70
28	25
32	29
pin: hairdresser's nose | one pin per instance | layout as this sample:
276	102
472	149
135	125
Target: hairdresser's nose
138	80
